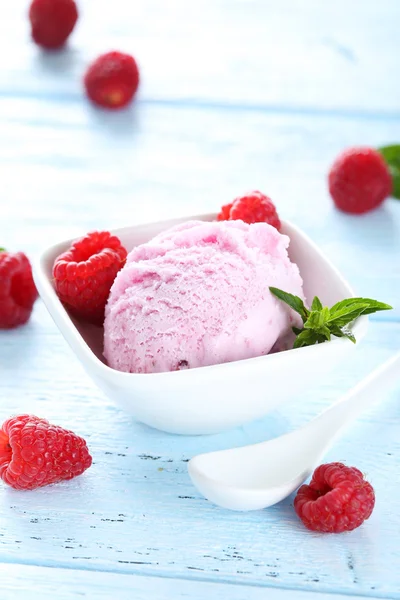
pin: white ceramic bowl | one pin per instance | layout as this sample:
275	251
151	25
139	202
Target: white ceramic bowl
219	397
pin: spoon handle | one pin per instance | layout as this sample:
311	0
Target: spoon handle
359	398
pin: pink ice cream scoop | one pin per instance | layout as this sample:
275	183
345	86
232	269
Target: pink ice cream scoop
197	295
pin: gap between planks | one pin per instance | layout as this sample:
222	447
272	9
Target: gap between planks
220	105
152	575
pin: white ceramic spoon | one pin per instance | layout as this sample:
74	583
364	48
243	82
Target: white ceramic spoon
257	476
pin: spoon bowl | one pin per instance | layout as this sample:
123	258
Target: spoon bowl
260	475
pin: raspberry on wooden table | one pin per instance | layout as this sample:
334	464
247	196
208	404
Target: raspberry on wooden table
359	180
34	453
52	22
112	80
83	275
17	289
254	207
337	499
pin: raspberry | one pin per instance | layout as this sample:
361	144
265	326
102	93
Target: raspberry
83	275
112	80
34	453
225	213
359	180
254	207
338	499
52	21
17	289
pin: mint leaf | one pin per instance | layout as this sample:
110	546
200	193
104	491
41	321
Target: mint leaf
325	332
294	302
391	155
313	321
296	330
343	303
316	304
321	322
305	338
325	313
3	250
346	311
335	330
347	315
317	319
345	332
373	304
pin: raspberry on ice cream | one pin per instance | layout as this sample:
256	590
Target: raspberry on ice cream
254	207
225	212
197	295
84	274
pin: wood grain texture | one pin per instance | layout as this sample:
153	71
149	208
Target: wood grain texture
38	583
235	95
135	510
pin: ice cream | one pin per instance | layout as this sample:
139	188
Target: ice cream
197	295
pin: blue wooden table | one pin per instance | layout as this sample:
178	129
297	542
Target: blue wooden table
235	95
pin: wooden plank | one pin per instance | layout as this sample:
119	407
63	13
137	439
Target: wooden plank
20	582
309	54
113	172
136	511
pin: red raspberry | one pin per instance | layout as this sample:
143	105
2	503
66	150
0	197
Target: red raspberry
17	289
254	207
338	499
52	21
83	275
225	213
359	180
112	80
34	453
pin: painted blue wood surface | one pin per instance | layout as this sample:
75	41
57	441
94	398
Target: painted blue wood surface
40	583
235	95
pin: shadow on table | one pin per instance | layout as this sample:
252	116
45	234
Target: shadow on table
58	62
366	230
122	123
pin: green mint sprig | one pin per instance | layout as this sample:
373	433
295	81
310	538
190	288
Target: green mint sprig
2	250
321	322
391	155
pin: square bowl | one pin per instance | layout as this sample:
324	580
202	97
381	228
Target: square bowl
214	398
